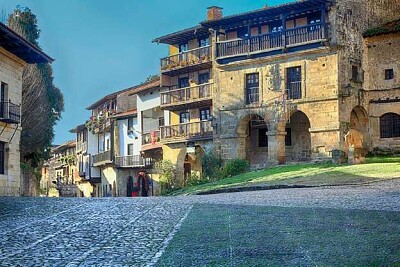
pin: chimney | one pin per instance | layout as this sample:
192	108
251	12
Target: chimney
214	13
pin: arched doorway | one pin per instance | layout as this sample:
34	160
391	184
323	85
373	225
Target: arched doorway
359	122
298	138
253	139
192	165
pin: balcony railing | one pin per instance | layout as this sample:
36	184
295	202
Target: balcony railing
132	161
103	157
272	41
9	112
187	94
187	131
151	138
81	146
293	90
189	58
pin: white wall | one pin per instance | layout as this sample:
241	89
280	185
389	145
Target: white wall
124	139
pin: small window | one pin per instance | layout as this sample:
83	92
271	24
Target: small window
390	125
2	158
204	78
183	48
130	150
184	117
262	137
183	82
204	42
252	88
389	74
354	73
205	114
130	124
161	121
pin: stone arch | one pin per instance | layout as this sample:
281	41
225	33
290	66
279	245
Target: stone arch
252	139
359	122
298	137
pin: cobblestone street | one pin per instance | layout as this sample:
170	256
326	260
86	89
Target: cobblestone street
137	231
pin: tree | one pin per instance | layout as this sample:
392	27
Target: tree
42	101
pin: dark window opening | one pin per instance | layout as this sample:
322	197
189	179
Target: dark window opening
262	137
183	82
390	125
288	137
389	74
130	150
161	121
354	73
183	47
293	82
204	78
252	88
130	124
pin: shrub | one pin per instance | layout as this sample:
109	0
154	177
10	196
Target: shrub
234	167
211	166
167	175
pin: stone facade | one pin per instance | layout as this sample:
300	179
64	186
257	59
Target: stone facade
11	68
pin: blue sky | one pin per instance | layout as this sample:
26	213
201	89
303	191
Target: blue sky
102	46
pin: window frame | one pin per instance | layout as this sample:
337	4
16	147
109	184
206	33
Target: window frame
129	150
252	82
389	74
293	80
389	125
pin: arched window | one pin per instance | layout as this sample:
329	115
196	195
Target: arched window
390	125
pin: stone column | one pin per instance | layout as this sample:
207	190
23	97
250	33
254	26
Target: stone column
276	146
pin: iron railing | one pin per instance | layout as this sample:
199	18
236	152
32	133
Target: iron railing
187	58
192	130
271	41
132	161
187	94
10	112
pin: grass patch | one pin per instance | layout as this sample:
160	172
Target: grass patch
233	235
306	175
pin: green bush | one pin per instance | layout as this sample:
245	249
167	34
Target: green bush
167	175
211	166
234	167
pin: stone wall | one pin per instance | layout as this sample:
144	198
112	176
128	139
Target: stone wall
11	69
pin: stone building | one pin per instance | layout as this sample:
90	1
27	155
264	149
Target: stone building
288	83
15	53
381	94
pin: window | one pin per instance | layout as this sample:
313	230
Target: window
252	83
390	125
293	82
130	124
3	99
161	121
183	82
205	114
2	158
183	48
184	117
204	42
389	74
354	73
130	150
204	77
288	137
262	137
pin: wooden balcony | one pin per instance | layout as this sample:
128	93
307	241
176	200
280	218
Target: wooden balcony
102	158
189	97
186	132
151	140
133	161
10	113
290	38
192	60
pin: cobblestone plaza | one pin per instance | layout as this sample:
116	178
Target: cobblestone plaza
164	231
